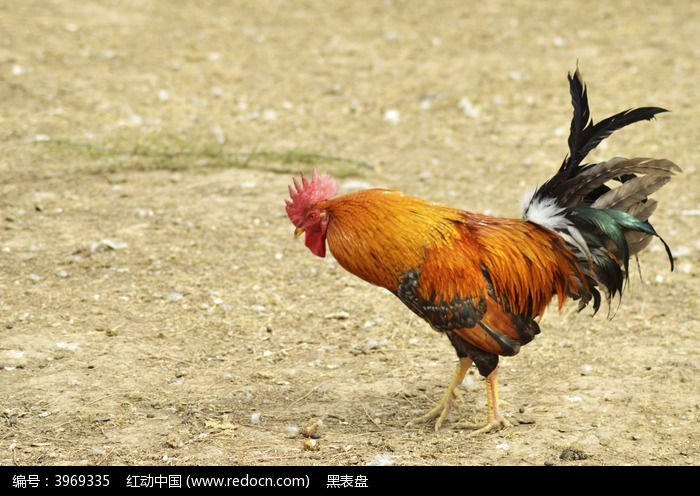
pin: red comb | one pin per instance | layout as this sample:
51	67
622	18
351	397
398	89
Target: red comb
320	187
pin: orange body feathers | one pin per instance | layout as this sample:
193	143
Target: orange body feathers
511	267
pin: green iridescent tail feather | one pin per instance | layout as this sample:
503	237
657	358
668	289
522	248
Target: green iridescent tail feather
606	234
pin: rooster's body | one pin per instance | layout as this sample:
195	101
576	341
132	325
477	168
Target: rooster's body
485	281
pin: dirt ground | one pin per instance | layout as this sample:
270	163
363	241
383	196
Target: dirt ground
156	310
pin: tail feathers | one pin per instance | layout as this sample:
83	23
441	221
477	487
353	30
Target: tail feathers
588	184
633	191
601	210
585	135
606	226
592	135
612	237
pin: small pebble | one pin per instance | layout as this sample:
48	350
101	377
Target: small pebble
292	431
311	430
381	461
174	297
269	115
570	454
392	116
337	315
469	109
311	445
107	244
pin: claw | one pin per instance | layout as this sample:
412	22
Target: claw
492	425
441	410
495	421
452	395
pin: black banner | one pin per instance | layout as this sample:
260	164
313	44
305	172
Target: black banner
394	478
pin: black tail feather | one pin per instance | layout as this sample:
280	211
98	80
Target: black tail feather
585	135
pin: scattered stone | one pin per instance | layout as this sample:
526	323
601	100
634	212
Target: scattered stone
107	244
392	116
381	461
174	297
311	430
338	315
174	441
292	431
570	454
65	345
469	109
311	445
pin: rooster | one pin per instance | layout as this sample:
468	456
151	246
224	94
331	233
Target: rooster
485	281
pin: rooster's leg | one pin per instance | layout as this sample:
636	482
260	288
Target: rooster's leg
495	421
448	399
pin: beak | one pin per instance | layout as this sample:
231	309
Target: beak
298	232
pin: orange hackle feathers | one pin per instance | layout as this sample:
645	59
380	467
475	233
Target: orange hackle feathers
379	234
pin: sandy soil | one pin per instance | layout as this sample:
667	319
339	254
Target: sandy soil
155	308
